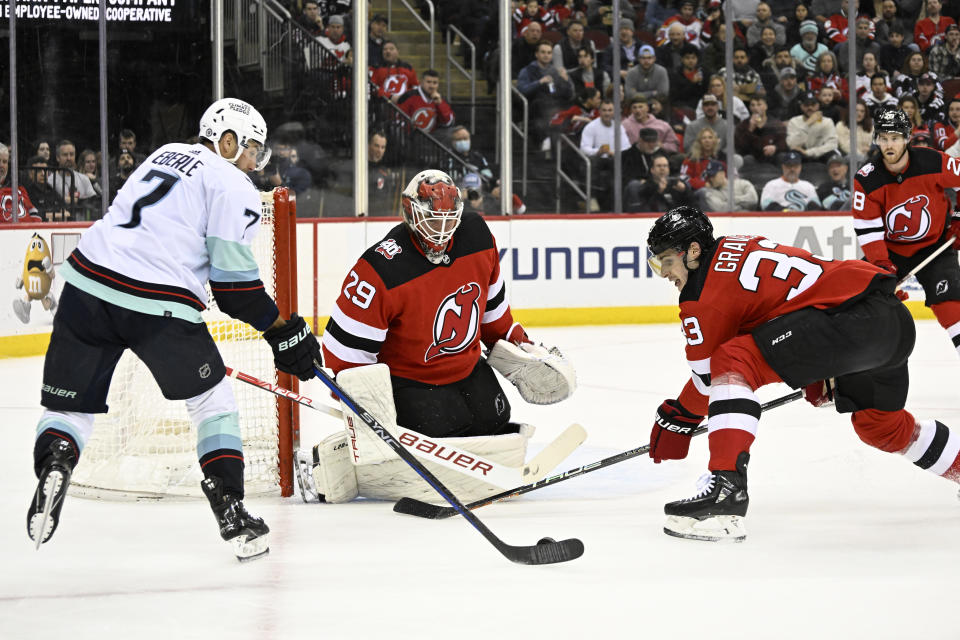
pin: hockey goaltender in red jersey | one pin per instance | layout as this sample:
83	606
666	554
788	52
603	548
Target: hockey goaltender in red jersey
405	339
901	215
755	312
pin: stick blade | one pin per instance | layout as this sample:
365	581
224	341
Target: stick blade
420	509
549	553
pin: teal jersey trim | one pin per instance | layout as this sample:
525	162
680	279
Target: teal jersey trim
126	300
227	256
219	432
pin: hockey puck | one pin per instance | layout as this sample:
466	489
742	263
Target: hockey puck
542	541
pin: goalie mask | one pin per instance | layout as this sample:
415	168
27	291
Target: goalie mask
431	209
676	229
246	123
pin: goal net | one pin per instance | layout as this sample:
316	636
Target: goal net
146	446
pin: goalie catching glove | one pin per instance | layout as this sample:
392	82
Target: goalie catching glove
541	375
294	348
672	430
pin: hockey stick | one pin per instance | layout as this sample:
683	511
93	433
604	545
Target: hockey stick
413	507
546	551
925	261
494	473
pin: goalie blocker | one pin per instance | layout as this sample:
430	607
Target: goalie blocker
354	462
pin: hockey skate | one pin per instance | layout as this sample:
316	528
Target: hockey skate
716	512
246	533
303	466
44	513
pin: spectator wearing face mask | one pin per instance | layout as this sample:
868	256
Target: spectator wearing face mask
475	161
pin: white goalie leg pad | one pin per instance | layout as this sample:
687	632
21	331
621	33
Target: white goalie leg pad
543	376
394	479
334	476
370	388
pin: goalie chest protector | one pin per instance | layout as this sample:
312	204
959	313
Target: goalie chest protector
424	320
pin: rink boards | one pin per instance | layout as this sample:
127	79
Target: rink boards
560	270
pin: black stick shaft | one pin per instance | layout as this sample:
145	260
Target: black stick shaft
426	510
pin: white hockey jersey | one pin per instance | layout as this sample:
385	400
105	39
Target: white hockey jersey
780	195
185	216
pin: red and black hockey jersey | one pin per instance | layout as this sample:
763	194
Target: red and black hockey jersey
425	321
395	79
906	212
745	281
424	112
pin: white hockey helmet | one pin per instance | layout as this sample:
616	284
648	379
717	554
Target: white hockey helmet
431	207
231	114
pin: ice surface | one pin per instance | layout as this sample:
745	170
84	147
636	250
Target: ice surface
843	541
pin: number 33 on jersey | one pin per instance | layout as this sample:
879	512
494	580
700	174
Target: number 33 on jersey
744	281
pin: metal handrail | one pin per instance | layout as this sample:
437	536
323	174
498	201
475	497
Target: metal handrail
276	33
523	131
428	26
565	140
471	75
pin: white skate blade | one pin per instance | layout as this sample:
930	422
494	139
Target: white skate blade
711	529
41	524
247	549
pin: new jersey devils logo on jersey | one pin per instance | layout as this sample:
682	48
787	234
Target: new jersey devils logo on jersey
456	322
909	220
424	118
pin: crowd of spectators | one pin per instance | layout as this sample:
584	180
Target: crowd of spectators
789	122
58	184
791	85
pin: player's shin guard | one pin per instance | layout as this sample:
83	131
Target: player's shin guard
948	315
219	446
734	418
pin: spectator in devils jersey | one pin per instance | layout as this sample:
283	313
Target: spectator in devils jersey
946	133
928	31
571	121
334	40
531	11
425	106
393	77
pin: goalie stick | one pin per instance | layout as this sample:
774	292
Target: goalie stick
413	507
546	551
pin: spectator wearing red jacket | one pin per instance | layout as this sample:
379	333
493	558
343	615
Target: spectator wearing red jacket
927	32
531	11
424	104
394	77
836	25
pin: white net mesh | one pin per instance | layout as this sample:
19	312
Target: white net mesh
146	446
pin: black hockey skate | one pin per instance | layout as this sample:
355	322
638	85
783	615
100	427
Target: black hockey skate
44	513
716	513
246	533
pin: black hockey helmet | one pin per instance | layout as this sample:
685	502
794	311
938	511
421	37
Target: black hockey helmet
677	228
891	120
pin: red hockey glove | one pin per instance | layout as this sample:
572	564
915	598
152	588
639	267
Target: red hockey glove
517	335
891	268
887	266
819	393
672	430
955	230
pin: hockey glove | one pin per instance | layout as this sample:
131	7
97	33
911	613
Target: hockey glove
294	348
819	393
672	430
891	268
955	230
517	335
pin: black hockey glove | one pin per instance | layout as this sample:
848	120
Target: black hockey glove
294	348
